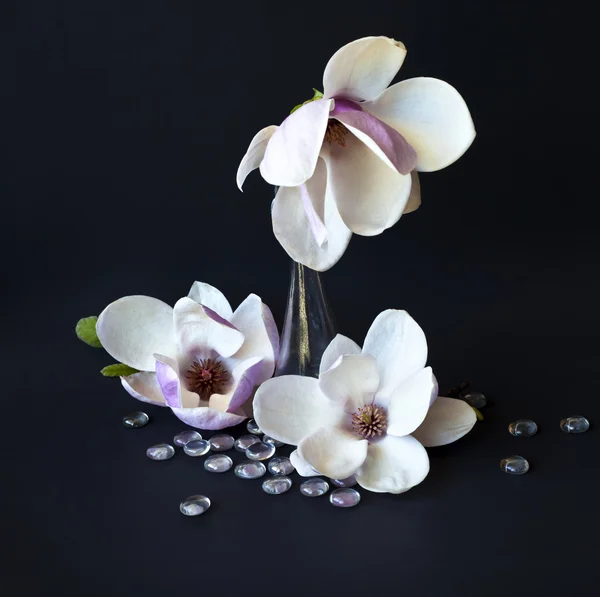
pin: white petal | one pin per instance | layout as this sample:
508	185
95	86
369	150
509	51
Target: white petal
431	115
339	346
211	297
199	331
351	381
293	150
362	69
333	451
410	401
414	199
302	467
369	195
133	328
245	377
448	419
292	229
255	154
393	465
399	346
291	407
144	387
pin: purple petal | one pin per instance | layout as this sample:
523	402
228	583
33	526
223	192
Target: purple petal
168	380
204	417
245	386
344	105
216	317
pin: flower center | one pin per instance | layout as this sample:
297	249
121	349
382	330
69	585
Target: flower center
336	132
207	377
369	421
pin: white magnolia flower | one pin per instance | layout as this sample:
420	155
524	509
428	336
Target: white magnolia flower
346	162
200	358
369	413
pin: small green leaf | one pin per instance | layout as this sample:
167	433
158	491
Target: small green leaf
318	94
478	413
118	370
86	331
296	108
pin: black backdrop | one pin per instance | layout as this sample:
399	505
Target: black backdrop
129	123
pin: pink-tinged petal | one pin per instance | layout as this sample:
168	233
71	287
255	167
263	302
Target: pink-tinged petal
199	330
382	139
293	230
335	452
369	195
255	154
448	419
338	347
204	417
245	377
291	407
399	347
414	199
211	297
293	150
393	465
410	402
362	69
175	393
431	115
351	382
133	328
255	320
302	467
343	105
315	214
144	386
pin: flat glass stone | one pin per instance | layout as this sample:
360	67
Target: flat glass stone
273	442
197	447
194	505
136	419
276	485
250	469
476	399
218	463
314	487
221	442
260	451
347	482
345	497
280	465
160	452
514	465
253	427
523	428
576	424
186	436
243	443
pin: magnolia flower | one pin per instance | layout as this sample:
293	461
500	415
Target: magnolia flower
199	358
346	160
371	411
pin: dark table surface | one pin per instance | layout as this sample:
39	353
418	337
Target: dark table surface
130	120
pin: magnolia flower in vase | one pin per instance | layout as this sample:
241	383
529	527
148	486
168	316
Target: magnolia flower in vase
346	161
200	358
371	413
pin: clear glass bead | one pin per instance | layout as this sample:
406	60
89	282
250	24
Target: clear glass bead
160	452
260	451
514	465
136	419
345	497
186	436
276	485
575	424
523	428
250	469
243	443
218	463
314	487
194	505
280	465
221	442
197	447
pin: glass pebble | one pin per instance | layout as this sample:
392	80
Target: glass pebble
218	463
273	442
514	465
280	465
347	482
186	436
253	427
221	442
194	505
197	447
314	487
136	419
276	485
576	424
260	451
250	469
243	443
476	399
345	497
160	452
523	428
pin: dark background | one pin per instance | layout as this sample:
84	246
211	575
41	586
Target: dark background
124	127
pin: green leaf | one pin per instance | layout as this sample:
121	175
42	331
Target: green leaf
118	370
318	94
478	413
296	108
86	331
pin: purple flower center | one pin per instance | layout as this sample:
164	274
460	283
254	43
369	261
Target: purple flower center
207	377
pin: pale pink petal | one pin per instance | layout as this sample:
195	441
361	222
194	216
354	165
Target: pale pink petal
312	194
244	378
255	154
133	328
414	199
174	391
448	419
393	465
362	69
211	297
144	386
339	346
204	417
302	467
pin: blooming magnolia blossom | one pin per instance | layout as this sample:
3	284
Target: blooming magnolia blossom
200	358
347	161
371	411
